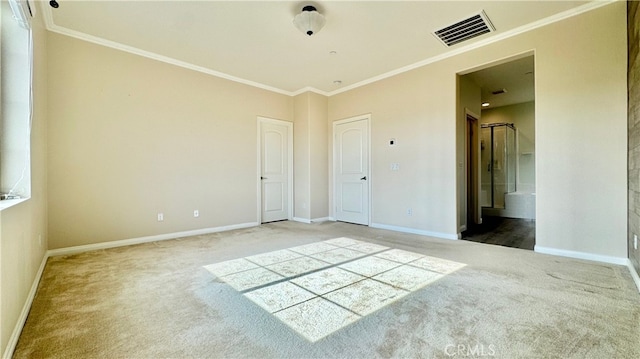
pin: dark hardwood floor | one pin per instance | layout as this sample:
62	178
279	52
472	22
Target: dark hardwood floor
508	232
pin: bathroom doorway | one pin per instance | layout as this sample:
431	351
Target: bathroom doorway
506	163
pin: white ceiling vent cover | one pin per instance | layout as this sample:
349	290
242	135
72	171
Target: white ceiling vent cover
466	29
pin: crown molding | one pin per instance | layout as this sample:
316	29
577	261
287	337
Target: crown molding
310	89
51	26
505	35
162	58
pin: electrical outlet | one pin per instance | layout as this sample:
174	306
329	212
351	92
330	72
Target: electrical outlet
160	217
409	212
635	241
196	213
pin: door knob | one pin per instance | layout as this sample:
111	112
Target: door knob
363	178
263	178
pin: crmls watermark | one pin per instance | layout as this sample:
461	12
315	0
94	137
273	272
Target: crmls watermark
467	350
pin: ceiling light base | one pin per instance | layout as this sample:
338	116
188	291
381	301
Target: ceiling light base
309	21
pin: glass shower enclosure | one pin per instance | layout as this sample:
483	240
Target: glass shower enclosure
498	163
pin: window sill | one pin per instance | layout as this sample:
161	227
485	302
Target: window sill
8	203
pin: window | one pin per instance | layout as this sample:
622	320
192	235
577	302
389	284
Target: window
15	105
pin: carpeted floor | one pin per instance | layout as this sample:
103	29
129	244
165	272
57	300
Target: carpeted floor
156	300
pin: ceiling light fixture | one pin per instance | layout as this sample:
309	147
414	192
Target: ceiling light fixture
309	20
485	104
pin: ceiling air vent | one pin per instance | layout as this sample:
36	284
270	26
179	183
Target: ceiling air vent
466	29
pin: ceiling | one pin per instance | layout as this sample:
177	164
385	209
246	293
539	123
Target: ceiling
513	82
256	42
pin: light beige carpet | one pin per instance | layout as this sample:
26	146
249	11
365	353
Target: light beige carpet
157	301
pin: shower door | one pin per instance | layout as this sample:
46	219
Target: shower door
498	161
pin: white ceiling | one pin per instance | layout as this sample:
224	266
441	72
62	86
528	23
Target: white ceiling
515	77
257	43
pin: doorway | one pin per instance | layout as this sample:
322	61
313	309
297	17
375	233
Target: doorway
275	170
351	170
503	193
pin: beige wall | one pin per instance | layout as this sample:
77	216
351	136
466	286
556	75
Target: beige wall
581	133
23	228
301	159
131	137
580	128
310	157
418	109
319	157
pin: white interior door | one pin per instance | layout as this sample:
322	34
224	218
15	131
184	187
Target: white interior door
275	169
352	171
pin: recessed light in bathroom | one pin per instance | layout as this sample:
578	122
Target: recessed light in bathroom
485	104
337	82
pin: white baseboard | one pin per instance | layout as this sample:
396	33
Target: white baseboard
301	220
160	237
581	255
313	220
414	231
323	219
22	319
634	274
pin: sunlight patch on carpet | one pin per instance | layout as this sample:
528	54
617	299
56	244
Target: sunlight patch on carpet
319	288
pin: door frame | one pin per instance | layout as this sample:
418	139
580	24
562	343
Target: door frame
472	180
367	118
289	125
